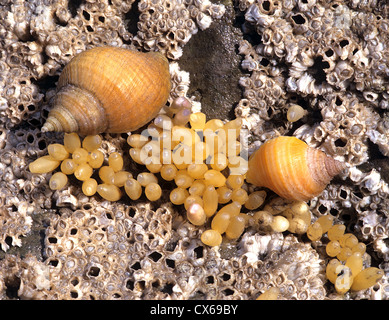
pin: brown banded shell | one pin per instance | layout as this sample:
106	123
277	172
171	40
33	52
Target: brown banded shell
292	169
109	89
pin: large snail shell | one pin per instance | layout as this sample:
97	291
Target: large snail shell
292	169
108	89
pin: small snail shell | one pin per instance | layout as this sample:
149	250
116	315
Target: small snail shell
291	168
109	89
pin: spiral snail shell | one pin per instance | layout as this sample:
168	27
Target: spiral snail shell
109	89
292	169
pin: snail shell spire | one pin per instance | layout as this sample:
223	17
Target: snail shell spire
109	89
292	169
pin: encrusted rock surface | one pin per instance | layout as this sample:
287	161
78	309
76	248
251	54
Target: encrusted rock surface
251	58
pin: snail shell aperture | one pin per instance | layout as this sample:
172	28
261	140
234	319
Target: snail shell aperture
292	169
109	89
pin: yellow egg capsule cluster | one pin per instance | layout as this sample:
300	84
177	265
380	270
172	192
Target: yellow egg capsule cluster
345	270
204	161
281	215
83	159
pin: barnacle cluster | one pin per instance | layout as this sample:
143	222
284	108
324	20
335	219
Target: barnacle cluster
166	26
316	69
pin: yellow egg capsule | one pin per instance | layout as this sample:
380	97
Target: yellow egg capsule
218	161
344	254
107	174
336	232
279	224
325	222
215	178
224	194
213	124
183	179
71	142
196	171
115	161
333	248
137	140
68	166
197	188
359	247
235	181
80	155
233	208
295	113
133	188
255	200
210	198
109	89
355	263
240	195
57	181
57	151
153	164
211	238
144	178
83	172
290	168
178	196
263	218
95	159
367	278
331	270
235	227
196	214
153	191
121	177
89	187
91	142
348	240
163	121
197	120
168	172
314	231
220	222
109	192
43	164
193	199
135	154
297	225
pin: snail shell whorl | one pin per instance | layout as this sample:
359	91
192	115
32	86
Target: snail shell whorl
292	169
109	89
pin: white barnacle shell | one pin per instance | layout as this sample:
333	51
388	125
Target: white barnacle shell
203	21
305	5
344	70
255	245
297	69
355	174
343	17
255	16
360	58
372	181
